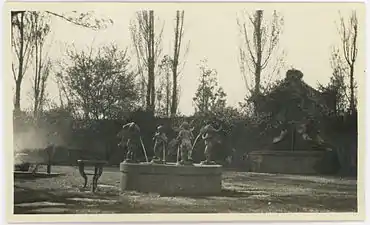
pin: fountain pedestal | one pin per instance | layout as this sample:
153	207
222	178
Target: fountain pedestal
170	179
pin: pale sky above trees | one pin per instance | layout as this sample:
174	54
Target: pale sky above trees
310	30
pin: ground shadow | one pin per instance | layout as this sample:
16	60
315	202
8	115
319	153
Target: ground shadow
70	201
224	193
268	179
256	193
31	176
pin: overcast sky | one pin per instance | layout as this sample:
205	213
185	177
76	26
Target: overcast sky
310	31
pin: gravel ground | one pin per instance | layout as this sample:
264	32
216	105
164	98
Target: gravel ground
243	192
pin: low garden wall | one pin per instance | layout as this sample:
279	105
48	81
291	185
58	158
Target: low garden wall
293	162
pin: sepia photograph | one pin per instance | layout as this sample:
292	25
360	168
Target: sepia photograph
185	110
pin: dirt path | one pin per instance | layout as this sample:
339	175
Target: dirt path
243	193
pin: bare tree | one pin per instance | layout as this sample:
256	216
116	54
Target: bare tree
179	33
83	19
348	34
260	40
22	46
41	28
148	48
22	40
335	92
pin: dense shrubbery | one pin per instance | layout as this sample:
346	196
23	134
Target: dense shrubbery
99	136
240	134
341	132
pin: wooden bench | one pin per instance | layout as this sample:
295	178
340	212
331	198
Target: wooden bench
98	171
30	164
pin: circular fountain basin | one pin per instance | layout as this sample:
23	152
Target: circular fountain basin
171	179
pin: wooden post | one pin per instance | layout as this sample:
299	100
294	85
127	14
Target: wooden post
48	168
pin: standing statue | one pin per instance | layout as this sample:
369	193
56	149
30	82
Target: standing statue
131	140
160	142
184	139
210	136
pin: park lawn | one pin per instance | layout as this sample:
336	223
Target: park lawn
243	193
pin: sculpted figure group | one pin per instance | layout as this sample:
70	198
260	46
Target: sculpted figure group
304	131
130	140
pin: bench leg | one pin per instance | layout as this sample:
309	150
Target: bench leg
97	174
81	169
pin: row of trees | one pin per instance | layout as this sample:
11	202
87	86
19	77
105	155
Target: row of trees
103	83
107	69
29	30
147	43
261	59
342	87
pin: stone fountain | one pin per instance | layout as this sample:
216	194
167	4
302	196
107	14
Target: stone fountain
297	147
170	178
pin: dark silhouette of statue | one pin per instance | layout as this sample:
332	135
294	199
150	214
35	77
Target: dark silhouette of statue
160	142
131	141
211	138
295	109
184	139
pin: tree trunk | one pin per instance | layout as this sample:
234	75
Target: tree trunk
352	90
142	89
258	64
168	92
258	36
177	47
148	90
17	104
174	65
151	63
18	82
36	82
174	93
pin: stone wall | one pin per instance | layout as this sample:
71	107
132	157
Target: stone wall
290	162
